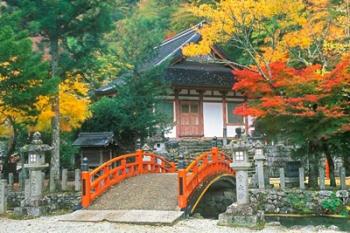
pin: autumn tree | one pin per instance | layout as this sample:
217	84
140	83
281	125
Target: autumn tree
71	31
273	38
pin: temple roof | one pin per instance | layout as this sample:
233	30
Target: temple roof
171	48
94	139
200	75
200	72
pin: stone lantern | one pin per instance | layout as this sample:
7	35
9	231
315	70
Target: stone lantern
241	165
241	213
36	164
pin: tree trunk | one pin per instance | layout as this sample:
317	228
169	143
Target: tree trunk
11	148
331	165
55	124
313	167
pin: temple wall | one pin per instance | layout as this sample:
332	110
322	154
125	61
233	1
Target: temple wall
213	119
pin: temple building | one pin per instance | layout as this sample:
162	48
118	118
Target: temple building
201	99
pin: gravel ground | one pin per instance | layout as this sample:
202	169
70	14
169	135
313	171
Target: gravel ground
52	225
146	192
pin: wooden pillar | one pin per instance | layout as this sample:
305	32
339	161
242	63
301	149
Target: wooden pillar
177	112
201	119
101	156
225	121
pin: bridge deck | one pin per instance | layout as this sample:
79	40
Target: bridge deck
146	192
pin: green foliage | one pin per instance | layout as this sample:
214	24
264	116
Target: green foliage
76	25
130	114
299	202
23	75
333	205
136	36
67	151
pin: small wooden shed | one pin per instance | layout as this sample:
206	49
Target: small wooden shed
97	147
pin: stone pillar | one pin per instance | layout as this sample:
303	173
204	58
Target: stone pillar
43	180
64	179
21	179
11	181
342	178
77	180
301	178
259	161
242	187
321	172
36	188
27	191
3	196
224	140
282	179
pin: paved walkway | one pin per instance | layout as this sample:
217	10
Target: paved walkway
146	192
53	225
149	217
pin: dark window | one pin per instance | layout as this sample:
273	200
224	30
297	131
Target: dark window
185	108
233	118
194	108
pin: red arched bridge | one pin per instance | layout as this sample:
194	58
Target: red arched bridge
207	170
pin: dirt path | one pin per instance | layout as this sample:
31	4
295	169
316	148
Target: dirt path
146	192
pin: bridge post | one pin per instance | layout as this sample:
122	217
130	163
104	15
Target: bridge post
182	200
214	153
85	178
139	159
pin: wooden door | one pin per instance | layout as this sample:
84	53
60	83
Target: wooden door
190	119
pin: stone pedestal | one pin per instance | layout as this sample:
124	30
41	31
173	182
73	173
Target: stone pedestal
3	196
242	216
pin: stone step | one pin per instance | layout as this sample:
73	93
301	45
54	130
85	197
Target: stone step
148	217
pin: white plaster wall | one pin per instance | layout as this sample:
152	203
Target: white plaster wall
213	119
231	130
172	132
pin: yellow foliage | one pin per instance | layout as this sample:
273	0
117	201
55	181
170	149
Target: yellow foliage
74	105
233	17
301	24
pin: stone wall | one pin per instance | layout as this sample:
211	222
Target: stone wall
55	201
215	202
300	202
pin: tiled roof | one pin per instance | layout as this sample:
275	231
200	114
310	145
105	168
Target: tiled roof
184	73
171	48
94	139
195	74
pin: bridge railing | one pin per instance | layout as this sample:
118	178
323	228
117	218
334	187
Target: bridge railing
120	168
204	166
